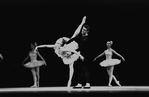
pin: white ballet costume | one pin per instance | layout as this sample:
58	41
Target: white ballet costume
34	62
67	56
109	61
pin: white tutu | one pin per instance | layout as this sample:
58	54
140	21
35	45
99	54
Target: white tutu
34	63
73	45
69	58
110	62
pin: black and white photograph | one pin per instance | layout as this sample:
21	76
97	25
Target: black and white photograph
74	46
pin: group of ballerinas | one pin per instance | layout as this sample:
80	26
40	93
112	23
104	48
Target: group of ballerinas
69	54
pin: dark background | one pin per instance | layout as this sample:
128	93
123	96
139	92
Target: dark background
125	22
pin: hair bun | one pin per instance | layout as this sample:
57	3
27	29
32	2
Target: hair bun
111	42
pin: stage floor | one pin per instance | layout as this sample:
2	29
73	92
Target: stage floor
65	89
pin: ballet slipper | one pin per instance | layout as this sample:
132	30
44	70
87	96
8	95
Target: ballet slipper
109	85
118	83
34	86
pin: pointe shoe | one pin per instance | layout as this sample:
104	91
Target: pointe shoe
69	84
34	86
118	83
87	85
109	85
78	86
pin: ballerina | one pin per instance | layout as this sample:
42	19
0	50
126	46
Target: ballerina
109	63
67	53
34	64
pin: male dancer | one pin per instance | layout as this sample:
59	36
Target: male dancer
81	36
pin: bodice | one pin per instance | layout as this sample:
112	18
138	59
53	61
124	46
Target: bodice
108	54
33	55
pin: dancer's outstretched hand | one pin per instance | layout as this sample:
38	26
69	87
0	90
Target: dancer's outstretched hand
123	59
82	57
95	59
45	64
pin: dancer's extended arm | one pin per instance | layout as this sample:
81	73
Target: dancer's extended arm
1	56
41	58
41	46
99	55
118	54
25	59
79	28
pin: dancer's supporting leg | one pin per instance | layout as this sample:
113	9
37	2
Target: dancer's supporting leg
71	71
34	77
110	73
38	75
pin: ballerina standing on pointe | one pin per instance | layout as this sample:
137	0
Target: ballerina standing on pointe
67	53
34	64
109	62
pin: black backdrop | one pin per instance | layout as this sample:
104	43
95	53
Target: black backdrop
44	21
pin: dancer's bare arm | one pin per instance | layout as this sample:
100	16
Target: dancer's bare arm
99	55
118	54
41	46
41	58
25	59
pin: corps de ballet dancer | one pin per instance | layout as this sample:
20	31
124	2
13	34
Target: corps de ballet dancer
67	53
109	63
34	64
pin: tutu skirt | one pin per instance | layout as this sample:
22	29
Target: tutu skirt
35	63
110	62
71	59
68	57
